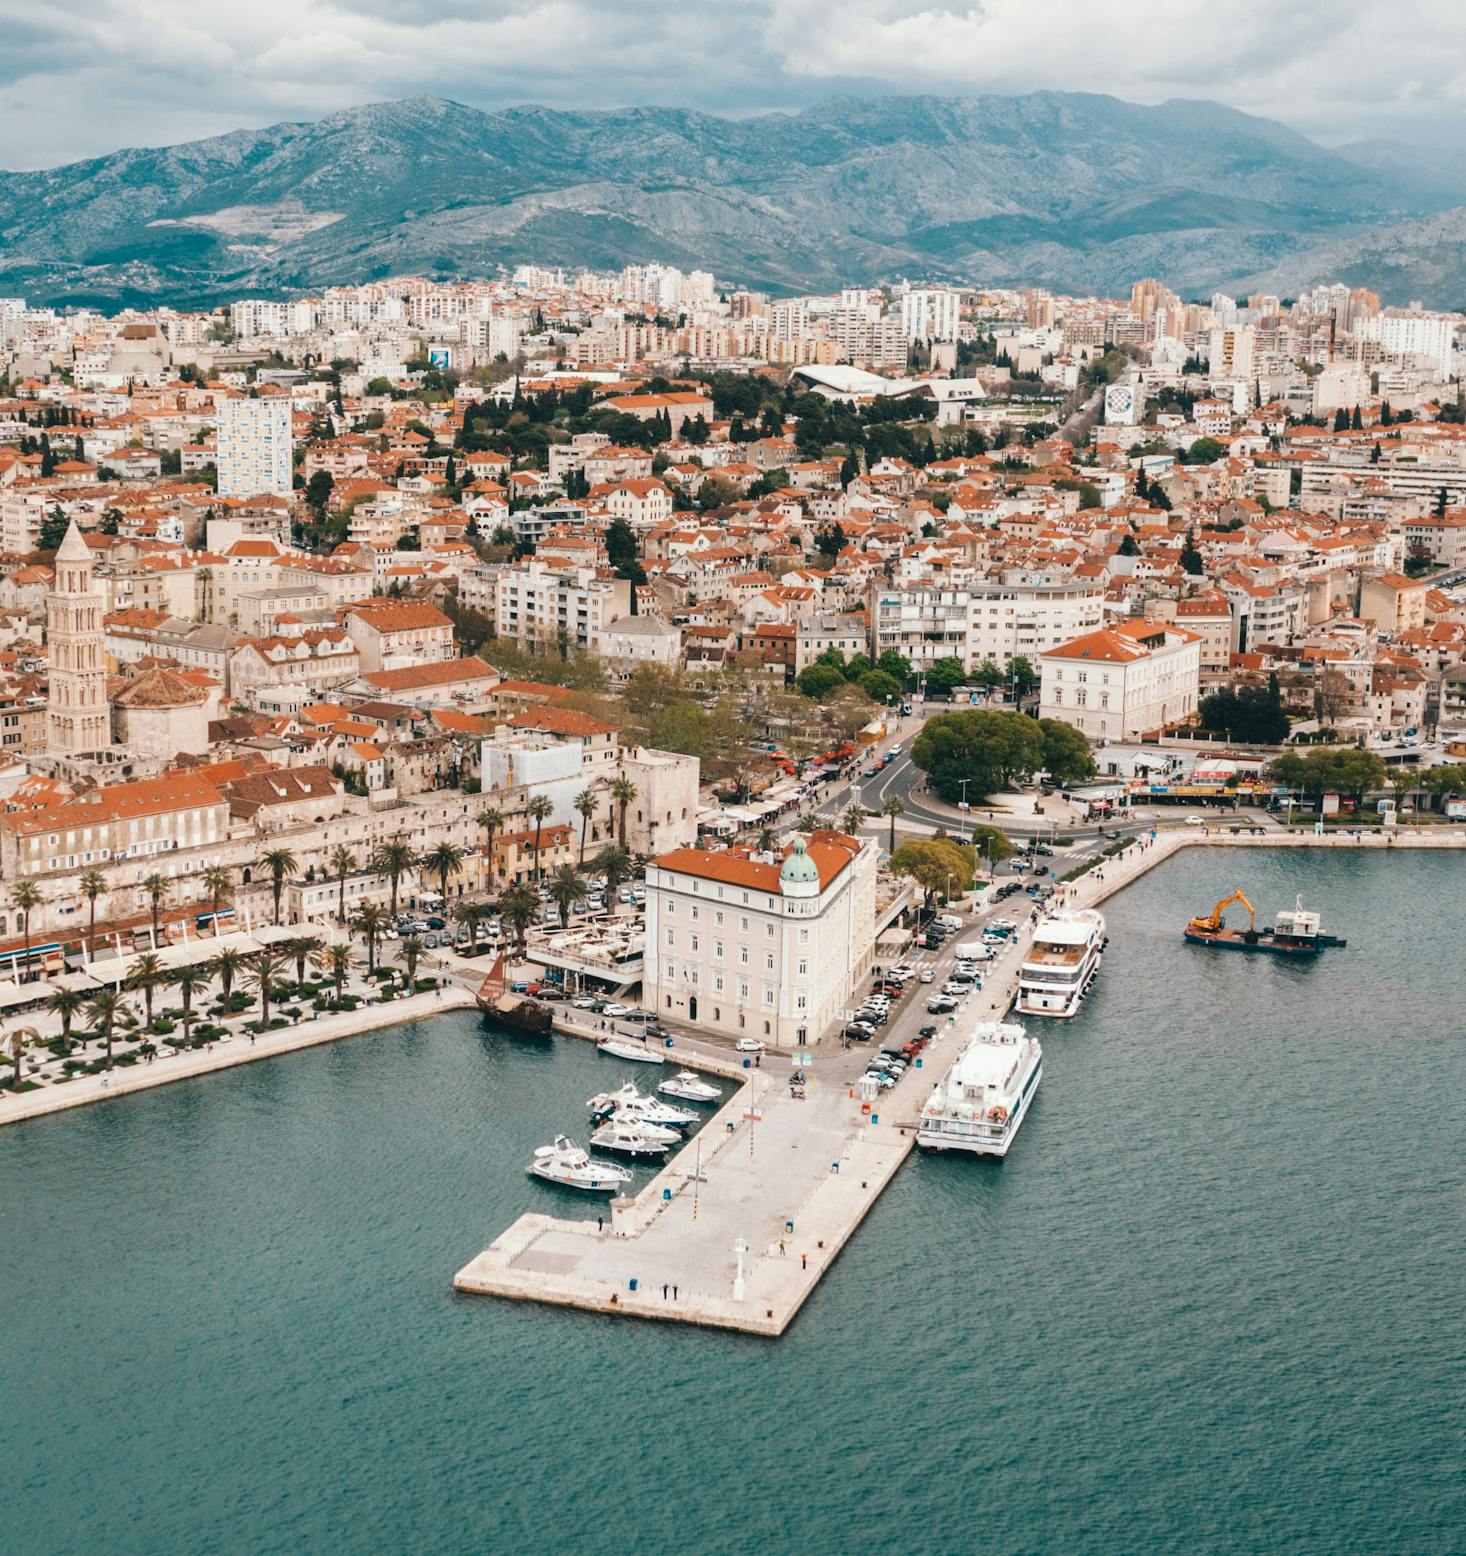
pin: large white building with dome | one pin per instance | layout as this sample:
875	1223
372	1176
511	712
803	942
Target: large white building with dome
761	945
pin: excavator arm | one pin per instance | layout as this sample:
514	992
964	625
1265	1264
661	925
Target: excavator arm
1211	924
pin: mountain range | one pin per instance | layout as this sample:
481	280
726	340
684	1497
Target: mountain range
1070	191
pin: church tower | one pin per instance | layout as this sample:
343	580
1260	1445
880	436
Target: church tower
77	717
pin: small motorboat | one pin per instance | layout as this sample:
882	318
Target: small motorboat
648	1126
620	1048
566	1164
632	1137
685	1085
626	1101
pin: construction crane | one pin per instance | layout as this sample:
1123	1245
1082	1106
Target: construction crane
1209	926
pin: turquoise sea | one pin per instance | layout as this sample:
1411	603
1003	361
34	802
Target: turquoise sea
1212	1301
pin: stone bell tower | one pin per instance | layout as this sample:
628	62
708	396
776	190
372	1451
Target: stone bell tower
78	721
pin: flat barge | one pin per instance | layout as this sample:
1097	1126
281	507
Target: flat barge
1297	932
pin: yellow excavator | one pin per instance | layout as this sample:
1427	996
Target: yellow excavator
1213	923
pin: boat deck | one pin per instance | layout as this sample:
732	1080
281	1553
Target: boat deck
1043	955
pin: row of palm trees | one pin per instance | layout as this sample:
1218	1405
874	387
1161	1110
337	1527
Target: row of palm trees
106	1010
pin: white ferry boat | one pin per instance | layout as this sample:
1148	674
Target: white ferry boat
1061	962
981	1102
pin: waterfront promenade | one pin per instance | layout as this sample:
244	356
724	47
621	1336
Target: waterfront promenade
227	1052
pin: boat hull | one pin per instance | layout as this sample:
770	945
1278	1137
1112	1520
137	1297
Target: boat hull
619	1050
591	1186
1238	940
979	1143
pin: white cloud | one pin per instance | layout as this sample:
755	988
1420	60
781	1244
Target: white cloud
132	72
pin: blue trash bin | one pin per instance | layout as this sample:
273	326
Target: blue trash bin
633	1283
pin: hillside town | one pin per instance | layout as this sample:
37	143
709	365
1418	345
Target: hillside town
502	596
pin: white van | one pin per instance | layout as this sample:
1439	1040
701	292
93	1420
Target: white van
949	921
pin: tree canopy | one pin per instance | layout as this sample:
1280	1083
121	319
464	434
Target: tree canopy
971	753
1330	770
935	862
1251	714
1066	756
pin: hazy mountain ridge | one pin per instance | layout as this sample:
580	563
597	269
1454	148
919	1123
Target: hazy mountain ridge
1068	190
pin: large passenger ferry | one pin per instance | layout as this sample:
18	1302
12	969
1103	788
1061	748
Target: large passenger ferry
1061	963
981	1102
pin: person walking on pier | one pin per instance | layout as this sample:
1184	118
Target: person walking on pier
804	1261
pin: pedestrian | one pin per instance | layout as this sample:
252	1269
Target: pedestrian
781	1247
674	1293
804	1261
664	1291
600	1223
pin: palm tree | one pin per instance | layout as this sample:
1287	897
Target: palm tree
217	880
299	948
518	909
585	806
892	806
567	890
470	915
26	898
226	967
492	821
106	1009
93	884
443	861
147	973
615	864
623	791
17	1048
370	922
191	980
766	840
412	950
538	811
65	1003
393	860
156	888
853	819
343	862
280	862
262	974
335	962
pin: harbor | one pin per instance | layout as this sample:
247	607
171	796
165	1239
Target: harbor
739	1227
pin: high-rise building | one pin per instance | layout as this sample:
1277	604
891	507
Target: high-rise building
77	720
928	314
254	447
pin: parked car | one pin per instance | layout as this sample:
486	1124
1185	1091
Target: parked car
615	1008
929	1031
927	975
585	1002
941	1005
750	1045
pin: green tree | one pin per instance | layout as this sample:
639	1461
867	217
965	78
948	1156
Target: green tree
335	961
944	674
107	1011
318	493
538	810
567	890
25	898
299	949
370	922
1248	714
586	805
190	981
1022	674
217	880
492	821
282	864
615	864
1066	756
226	967
1191	558
939	865
992	845
518	910
892	807
623	792
157	889
93	884
817	681
442	861
897	666
264	975
65	1003
880	687
971	753
146	973
393	859
412	950
343	862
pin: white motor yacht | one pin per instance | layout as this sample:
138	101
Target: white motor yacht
689	1088
627	1101
982	1100
1061	963
622	1048
566	1164
632	1137
653	1130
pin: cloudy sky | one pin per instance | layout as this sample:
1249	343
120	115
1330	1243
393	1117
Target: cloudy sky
94	75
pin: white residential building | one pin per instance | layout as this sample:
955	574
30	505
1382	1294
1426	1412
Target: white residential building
1019	614
754	945
550	606
254	454
930	314
1122	681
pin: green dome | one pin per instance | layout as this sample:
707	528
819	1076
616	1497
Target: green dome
798	868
